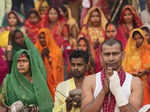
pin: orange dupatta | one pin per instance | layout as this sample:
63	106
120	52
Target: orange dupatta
55	70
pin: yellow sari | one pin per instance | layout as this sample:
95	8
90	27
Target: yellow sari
132	62
73	28
41	6
136	60
4	39
94	33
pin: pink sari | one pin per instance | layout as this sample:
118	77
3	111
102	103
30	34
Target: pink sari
3	66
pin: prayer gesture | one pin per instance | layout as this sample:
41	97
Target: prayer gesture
106	86
108	70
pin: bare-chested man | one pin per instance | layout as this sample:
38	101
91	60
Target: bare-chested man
112	89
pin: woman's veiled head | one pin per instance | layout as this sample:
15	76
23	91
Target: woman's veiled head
34	17
95	18
12	19
111	30
83	44
42	39
18	38
23	64
53	14
139	39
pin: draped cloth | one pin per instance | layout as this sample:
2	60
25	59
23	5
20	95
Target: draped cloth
39	5
16	87
110	106
136	60
59	30
3	66
91	32
62	92
132	62
55	69
32	29
121	38
73	25
5	29
30	46
136	19
94	34
146	77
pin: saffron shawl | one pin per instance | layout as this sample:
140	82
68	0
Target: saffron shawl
55	70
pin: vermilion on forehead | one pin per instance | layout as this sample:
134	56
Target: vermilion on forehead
22	56
82	42
111	27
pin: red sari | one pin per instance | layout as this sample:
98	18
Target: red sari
122	28
32	29
121	38
59	30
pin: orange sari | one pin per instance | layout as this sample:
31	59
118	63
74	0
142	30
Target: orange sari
136	60
145	77
55	69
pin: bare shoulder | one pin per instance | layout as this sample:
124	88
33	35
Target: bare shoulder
90	80
136	81
136	84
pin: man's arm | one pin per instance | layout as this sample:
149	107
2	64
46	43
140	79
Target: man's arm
89	104
136	97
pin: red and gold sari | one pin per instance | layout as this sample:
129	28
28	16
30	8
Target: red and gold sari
122	26
92	32
55	69
94	35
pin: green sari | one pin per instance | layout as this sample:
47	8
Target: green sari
37	60
16	87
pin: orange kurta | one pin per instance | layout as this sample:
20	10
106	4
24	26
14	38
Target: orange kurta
55	69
